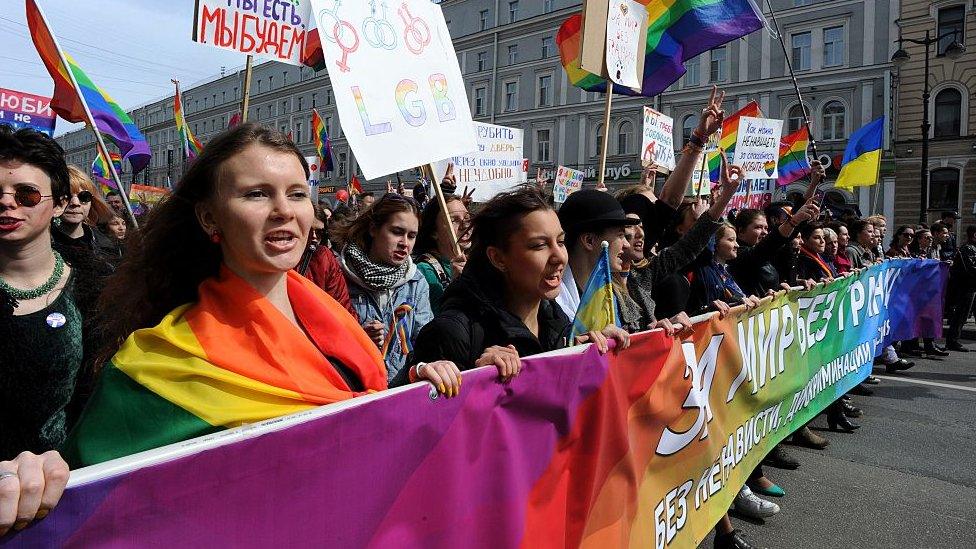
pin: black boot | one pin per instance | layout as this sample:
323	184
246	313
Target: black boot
781	459
954	345
850	410
733	540
837	421
934	350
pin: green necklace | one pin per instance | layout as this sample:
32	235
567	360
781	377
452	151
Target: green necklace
24	295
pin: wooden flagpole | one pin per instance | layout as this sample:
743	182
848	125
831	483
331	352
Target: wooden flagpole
245	101
442	202
606	136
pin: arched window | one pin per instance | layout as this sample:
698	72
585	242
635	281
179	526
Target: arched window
833	121
948	113
944	189
625	135
598	140
687	127
795	118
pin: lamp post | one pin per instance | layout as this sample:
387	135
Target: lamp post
954	51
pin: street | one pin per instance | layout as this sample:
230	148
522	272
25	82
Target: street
907	478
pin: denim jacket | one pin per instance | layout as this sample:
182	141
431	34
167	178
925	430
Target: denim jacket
381	305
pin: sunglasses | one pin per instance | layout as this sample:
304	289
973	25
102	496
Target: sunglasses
84	197
28	197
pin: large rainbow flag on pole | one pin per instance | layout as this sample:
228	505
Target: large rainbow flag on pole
597	308
191	145
323	146
679	30
730	136
103	174
793	161
86	102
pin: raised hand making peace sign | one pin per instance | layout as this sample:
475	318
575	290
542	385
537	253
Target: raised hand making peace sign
712	115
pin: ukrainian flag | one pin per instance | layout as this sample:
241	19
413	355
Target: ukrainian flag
597	308
862	158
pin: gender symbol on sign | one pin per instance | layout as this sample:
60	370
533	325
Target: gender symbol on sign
416	33
347	48
328	18
378	31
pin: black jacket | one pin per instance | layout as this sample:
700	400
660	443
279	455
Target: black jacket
754	269
963	270
101	246
808	268
472	319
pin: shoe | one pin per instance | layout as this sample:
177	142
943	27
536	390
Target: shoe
838	422
935	350
956	346
733	540
781	459
871	380
861	390
899	365
753	506
806	437
773	491
912	352
850	410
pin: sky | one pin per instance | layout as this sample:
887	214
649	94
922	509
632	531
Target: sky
130	48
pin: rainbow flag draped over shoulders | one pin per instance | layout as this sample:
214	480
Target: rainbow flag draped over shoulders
228	360
793	161
323	147
103	175
69	102
678	30
598	307
730	135
191	145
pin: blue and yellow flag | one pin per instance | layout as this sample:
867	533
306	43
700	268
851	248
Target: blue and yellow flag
597	308
862	157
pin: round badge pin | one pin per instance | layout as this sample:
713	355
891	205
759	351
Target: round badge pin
56	320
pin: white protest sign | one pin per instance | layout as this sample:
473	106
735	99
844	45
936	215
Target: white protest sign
757	147
496	165
398	88
658	142
272	29
313	170
567	182
626	24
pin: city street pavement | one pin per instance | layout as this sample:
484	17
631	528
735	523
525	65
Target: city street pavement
906	479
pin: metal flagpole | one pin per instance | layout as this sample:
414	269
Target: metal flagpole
102	149
606	136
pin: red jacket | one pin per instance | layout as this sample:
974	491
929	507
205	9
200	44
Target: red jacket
324	270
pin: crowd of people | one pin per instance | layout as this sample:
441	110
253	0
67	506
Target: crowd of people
390	291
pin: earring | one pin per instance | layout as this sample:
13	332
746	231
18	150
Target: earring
215	237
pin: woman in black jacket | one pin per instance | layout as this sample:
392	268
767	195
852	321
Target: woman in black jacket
811	264
501	308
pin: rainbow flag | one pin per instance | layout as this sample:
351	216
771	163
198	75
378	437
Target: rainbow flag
228	360
191	145
103	175
598	307
793	161
730	135
678	30
70	102
323	146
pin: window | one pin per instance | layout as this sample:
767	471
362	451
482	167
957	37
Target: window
833	47
795	118
512	54
797	3
598	140
511	96
342	164
237	92
482	60
285	106
479	101
223	97
547	6
944	189
718	69
314	95
546	46
545	90
693	72
284	78
948	113
328	96
301	102
833	121
269	111
951	19
513	11
484	19
801	51
688	126
542	145
298	132
624	136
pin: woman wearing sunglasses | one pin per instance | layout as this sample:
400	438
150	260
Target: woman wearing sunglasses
901	242
82	214
388	291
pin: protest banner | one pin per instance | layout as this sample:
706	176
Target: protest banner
271	29
626	31
496	165
642	448
700	185
567	182
757	147
313	177
25	110
752	193
398	88
658	142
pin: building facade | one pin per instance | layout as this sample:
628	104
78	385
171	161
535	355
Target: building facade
507	51
952	152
